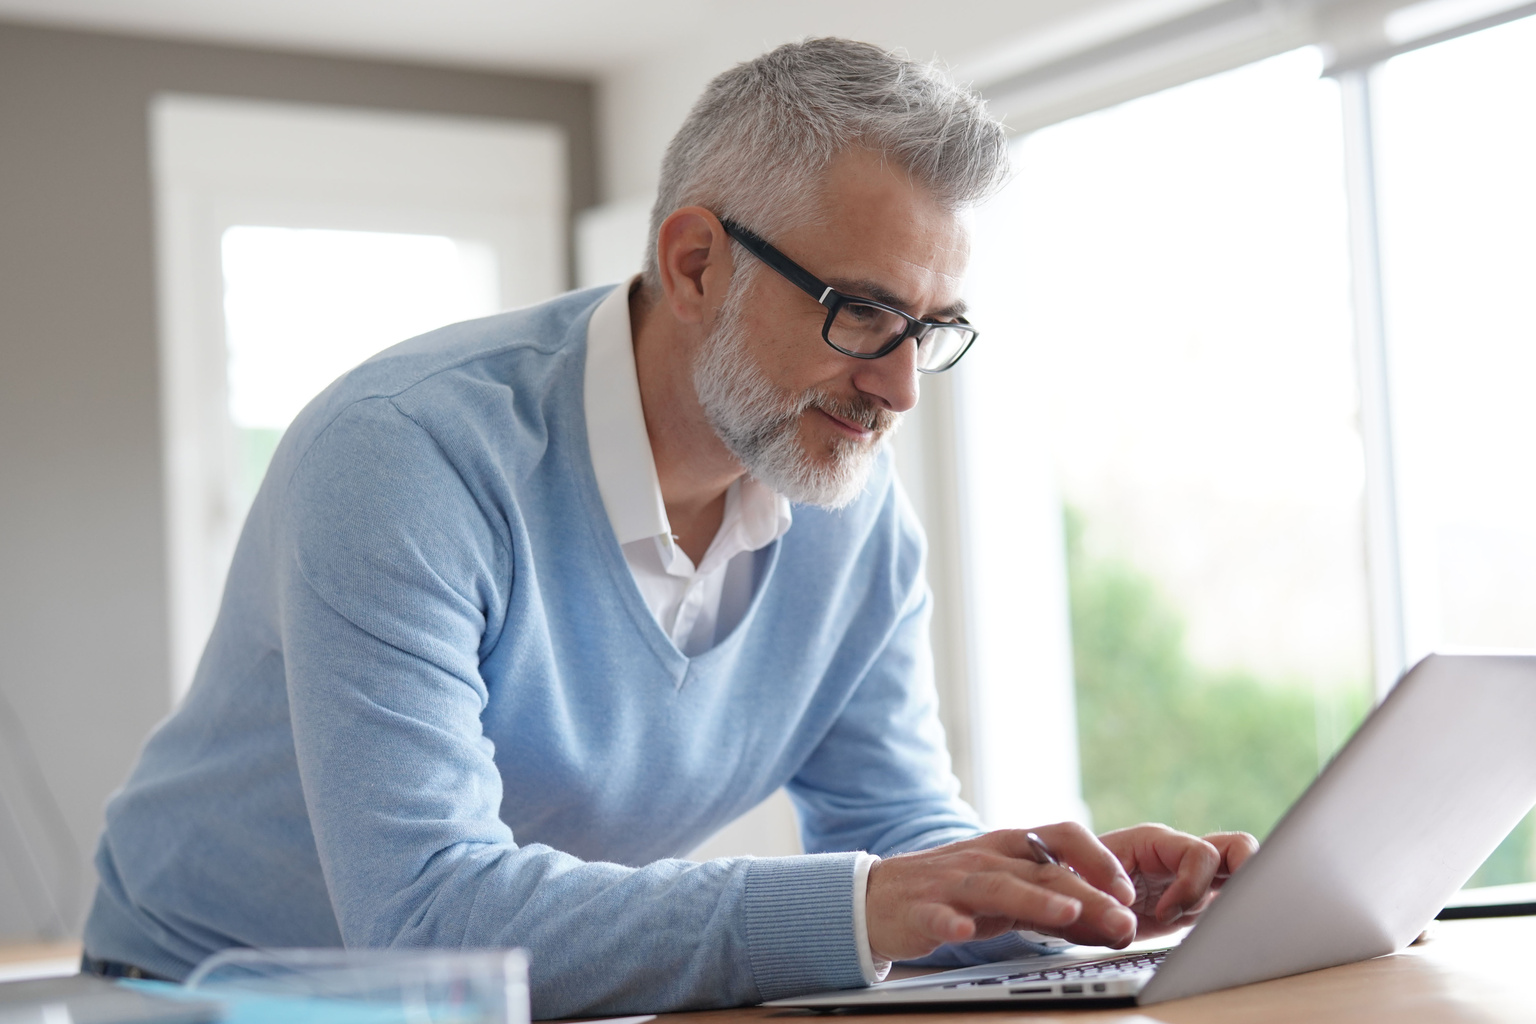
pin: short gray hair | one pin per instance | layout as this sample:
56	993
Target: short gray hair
755	145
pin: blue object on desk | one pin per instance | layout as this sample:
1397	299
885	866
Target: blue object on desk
91	1000
244	1008
360	986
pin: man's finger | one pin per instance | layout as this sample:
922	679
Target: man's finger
1076	847
943	923
1054	900
1235	849
1197	861
1057	902
917	901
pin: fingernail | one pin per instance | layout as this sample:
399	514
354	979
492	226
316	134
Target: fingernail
1063	909
1125	892
1171	915
1119	922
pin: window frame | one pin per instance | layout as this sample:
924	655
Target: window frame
219	163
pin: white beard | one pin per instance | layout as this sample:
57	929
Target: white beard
760	424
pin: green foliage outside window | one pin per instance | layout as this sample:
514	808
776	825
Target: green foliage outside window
1165	739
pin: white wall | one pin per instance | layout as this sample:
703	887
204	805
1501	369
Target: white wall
639	108
83	624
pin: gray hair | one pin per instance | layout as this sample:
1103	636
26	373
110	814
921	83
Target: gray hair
755	145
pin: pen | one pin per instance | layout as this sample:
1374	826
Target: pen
1145	899
1043	854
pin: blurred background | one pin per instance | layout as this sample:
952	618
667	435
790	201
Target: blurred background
1247	432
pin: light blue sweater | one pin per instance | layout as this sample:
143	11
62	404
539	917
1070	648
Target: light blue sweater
436	711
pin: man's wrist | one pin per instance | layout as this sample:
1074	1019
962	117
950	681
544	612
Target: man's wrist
873	970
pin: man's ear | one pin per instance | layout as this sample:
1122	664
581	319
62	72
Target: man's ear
693	254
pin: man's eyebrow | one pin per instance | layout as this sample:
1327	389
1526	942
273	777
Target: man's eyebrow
873	290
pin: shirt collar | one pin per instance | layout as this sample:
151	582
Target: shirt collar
621	453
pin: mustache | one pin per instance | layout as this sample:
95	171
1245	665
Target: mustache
858	410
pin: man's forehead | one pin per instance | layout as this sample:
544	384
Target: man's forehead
881	227
921	271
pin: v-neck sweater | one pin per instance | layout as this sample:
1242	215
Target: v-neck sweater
435	710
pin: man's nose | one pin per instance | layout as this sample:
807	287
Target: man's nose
892	379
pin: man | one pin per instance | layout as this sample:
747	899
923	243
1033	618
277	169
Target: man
529	606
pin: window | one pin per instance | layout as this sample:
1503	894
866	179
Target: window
1456	133
1457	152
297	241
1166	294
302	306
1258	357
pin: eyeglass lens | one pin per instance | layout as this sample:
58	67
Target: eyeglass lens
863	330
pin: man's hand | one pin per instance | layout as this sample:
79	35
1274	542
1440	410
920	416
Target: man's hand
1176	875
982	887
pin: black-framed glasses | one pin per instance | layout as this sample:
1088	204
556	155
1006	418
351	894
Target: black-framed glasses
863	328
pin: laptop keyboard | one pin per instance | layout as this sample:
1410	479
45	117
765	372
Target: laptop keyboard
1096	970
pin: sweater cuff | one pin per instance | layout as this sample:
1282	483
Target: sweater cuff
799	924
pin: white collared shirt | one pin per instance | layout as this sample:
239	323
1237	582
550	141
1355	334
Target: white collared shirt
696	605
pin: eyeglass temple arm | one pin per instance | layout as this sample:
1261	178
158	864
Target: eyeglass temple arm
788	268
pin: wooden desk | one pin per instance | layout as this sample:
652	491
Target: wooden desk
38	960
1467	971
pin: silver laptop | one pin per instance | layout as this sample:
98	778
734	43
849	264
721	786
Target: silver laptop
1429	784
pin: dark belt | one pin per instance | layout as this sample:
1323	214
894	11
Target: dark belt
116	969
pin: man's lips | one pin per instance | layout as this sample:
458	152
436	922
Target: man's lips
852	429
